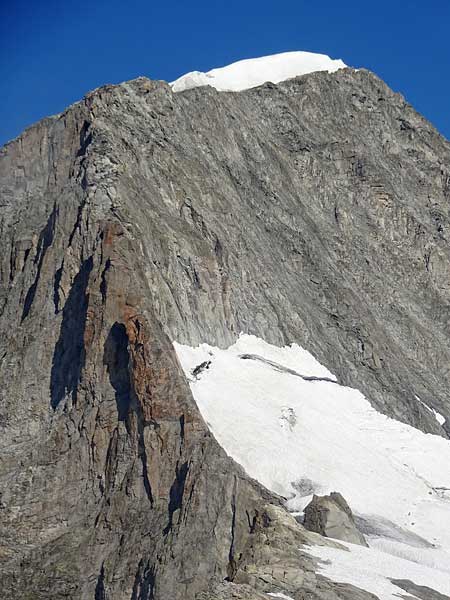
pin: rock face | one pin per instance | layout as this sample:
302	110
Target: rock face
419	591
314	211
332	517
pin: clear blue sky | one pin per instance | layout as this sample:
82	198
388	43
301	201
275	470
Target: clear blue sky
54	51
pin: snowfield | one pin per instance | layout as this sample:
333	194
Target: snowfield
252	72
300	436
372	570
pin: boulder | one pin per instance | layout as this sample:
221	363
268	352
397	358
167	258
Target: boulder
332	517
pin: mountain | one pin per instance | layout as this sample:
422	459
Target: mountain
150	451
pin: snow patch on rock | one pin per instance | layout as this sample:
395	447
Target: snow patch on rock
439	418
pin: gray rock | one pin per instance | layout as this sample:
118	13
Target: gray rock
418	591
315	211
331	516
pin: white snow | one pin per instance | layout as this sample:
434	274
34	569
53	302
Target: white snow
252	72
371	570
298	437
439	418
433	557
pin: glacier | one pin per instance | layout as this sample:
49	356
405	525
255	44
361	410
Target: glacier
299	437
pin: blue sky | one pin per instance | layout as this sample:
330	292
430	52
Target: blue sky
54	51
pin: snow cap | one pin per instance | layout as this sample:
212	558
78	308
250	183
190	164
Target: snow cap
249	73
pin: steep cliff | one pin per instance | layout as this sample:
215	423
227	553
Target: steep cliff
314	211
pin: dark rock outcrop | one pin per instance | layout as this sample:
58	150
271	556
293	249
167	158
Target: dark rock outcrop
331	516
419	591
315	211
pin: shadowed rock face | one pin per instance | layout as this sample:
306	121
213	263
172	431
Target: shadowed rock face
315	211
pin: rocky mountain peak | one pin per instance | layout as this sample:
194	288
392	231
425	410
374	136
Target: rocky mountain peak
313	211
